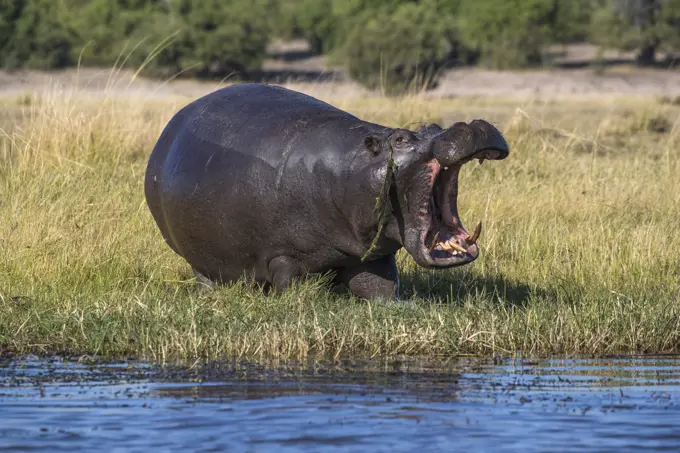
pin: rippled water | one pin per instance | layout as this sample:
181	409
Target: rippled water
616	404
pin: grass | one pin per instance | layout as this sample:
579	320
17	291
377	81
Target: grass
580	251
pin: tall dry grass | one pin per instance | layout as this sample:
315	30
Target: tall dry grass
579	250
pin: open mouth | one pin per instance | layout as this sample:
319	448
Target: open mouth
445	240
438	238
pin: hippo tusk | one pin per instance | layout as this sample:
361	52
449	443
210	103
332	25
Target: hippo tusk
434	242
472	239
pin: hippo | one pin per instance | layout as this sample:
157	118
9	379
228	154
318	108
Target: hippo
257	180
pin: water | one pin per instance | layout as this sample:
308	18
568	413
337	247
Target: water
616	404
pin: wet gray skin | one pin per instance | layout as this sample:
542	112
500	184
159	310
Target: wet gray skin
616	404
428	166
261	181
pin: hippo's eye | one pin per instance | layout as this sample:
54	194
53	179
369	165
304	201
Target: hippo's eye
399	140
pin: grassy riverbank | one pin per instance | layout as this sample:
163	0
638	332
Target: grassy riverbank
580	250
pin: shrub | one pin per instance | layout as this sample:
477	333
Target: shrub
39	38
397	47
210	37
213	37
9	13
107	30
507	33
645	26
312	20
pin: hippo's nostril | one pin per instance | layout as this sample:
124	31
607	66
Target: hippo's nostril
462	142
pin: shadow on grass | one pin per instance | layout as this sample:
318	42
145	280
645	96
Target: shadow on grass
456	287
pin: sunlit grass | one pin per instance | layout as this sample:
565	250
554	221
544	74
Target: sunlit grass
580	252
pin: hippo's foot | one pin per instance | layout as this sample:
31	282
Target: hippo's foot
202	281
283	271
377	279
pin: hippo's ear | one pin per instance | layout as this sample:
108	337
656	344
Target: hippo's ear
374	144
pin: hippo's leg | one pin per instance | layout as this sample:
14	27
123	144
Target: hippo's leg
377	279
283	270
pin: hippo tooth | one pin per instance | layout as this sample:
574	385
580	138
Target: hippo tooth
445	246
454	245
446	168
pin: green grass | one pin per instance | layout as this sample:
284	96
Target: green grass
580	250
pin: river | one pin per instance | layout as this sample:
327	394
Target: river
622	404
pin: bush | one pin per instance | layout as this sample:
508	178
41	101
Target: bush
213	37
9	13
210	37
569	21
645	26
507	33
107	30
312	20
397	47
39	38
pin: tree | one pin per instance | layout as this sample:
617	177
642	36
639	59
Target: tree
107	30
400	46
507	33
312	20
39	37
214	37
645	26
10	10
569	21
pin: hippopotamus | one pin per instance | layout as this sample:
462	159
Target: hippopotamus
260	181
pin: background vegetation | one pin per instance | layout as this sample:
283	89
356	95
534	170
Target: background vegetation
391	44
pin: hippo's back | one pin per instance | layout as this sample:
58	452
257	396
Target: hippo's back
230	164
257	119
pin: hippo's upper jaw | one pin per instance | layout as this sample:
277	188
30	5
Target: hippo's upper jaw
437	237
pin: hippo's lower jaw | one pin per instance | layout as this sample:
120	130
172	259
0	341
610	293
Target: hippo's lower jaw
448	242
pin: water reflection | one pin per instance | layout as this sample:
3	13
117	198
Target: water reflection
616	403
